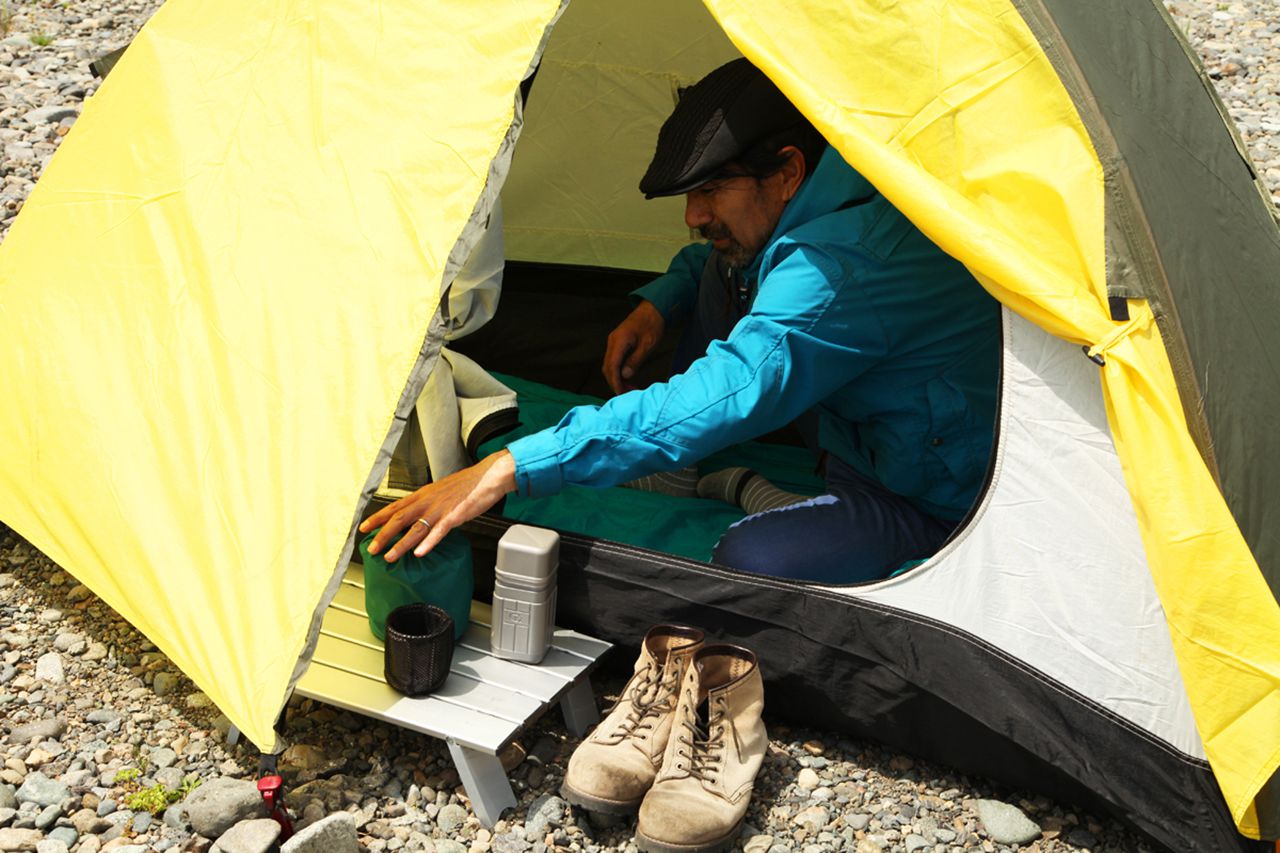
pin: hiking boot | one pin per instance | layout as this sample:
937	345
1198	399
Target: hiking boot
612	769
716	747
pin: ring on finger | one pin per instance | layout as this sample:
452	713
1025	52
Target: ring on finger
424	523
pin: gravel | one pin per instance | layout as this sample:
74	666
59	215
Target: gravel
96	716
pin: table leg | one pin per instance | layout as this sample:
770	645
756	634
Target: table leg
485	780
579	707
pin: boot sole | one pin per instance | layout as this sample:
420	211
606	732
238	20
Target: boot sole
595	804
724	842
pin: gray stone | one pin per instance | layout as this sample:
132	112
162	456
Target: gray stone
175	817
40	789
165	683
50	729
19	840
221	803
51	115
1081	837
547	811
451	818
7	798
334	834
915	842
7	815
813	818
49	668
48	817
171	777
77	778
544	751
858	822
443	845
103	715
65	834
69	642
163	757
1006	824
248	836
509	842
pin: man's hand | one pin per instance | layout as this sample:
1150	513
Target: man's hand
630	344
446	504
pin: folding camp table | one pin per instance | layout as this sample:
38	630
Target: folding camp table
481	707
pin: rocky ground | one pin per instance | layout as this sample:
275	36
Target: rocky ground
108	747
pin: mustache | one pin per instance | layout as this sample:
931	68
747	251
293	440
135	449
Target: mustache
710	232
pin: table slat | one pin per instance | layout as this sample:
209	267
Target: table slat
429	715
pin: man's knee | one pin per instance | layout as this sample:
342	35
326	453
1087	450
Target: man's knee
765	544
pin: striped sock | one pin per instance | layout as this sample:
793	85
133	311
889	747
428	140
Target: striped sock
681	484
747	489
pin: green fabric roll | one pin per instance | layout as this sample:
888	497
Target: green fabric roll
443	578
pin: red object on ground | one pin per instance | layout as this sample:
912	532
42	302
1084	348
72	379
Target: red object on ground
272	790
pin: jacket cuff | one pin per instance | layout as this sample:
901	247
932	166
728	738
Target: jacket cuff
537	459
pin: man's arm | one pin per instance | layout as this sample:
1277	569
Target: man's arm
809	333
669	296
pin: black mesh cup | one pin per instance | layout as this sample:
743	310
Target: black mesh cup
418	648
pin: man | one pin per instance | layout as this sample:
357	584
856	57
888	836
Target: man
834	301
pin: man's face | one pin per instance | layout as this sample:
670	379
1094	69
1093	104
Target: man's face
737	214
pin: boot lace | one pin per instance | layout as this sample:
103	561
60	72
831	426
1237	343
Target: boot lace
652	696
702	738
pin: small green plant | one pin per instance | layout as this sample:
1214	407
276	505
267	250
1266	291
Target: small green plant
41	38
154	799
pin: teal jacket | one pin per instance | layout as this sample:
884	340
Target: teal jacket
855	312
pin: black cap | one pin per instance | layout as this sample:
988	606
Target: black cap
716	120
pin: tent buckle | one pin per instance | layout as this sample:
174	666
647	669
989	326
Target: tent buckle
271	787
1096	359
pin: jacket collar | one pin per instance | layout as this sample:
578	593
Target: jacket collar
832	185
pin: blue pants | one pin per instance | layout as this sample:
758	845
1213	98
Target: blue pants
858	531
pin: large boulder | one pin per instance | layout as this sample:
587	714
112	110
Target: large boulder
40	789
249	836
221	803
334	834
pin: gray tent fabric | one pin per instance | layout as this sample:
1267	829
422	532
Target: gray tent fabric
1182	188
461	405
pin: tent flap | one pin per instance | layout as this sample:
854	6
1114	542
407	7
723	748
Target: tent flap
991	154
216	296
